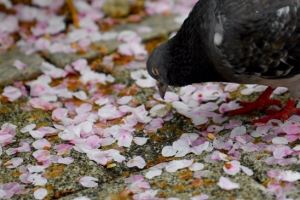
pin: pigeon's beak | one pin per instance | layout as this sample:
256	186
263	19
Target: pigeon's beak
162	87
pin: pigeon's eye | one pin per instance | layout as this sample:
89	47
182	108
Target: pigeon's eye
155	72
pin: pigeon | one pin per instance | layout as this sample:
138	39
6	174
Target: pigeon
241	41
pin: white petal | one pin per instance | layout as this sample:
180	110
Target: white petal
152	173
280	140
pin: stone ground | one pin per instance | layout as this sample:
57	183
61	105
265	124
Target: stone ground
63	179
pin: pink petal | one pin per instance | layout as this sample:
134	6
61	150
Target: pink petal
230	87
279	140
12	93
199	174
63	149
80	64
107	141
289	176
28	128
41	155
237	131
250	147
66	160
152	173
292	129
38	103
232	167
157	122
47	130
146	83
14	162
124	100
226	184
38	88
196	167
84	108
37	179
219	118
140	140
168	151
126	36
171	96
81	95
137	161
40	193
88	181
200	197
296	148
19	65
59	114
41	144
134	179
174	165
178	105
247	171
93	141
52	71
125	140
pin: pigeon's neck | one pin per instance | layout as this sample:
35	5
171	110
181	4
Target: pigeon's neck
190	47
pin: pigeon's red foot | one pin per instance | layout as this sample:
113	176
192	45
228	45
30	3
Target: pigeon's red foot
260	103
282	115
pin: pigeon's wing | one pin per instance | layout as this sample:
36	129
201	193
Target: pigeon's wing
259	37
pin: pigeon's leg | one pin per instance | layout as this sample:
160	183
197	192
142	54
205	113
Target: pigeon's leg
260	103
288	110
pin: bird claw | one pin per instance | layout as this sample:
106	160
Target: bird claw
282	115
260	103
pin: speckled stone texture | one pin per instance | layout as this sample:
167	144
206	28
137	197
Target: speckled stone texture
10	74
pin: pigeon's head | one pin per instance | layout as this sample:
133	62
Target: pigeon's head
156	68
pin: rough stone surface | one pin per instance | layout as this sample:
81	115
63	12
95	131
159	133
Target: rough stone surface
10	74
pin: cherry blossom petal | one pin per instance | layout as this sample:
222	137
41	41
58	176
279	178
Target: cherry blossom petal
28	128
12	93
137	161
52	71
289	176
41	155
19	65
41	144
124	100
196	167
230	87
14	162
59	114
279	140
200	197
237	131
168	151
247	170
88	181
146	83
296	148
140	140
232	167
152	173
125	140
134	178
226	184
178	105
40	193
81	95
